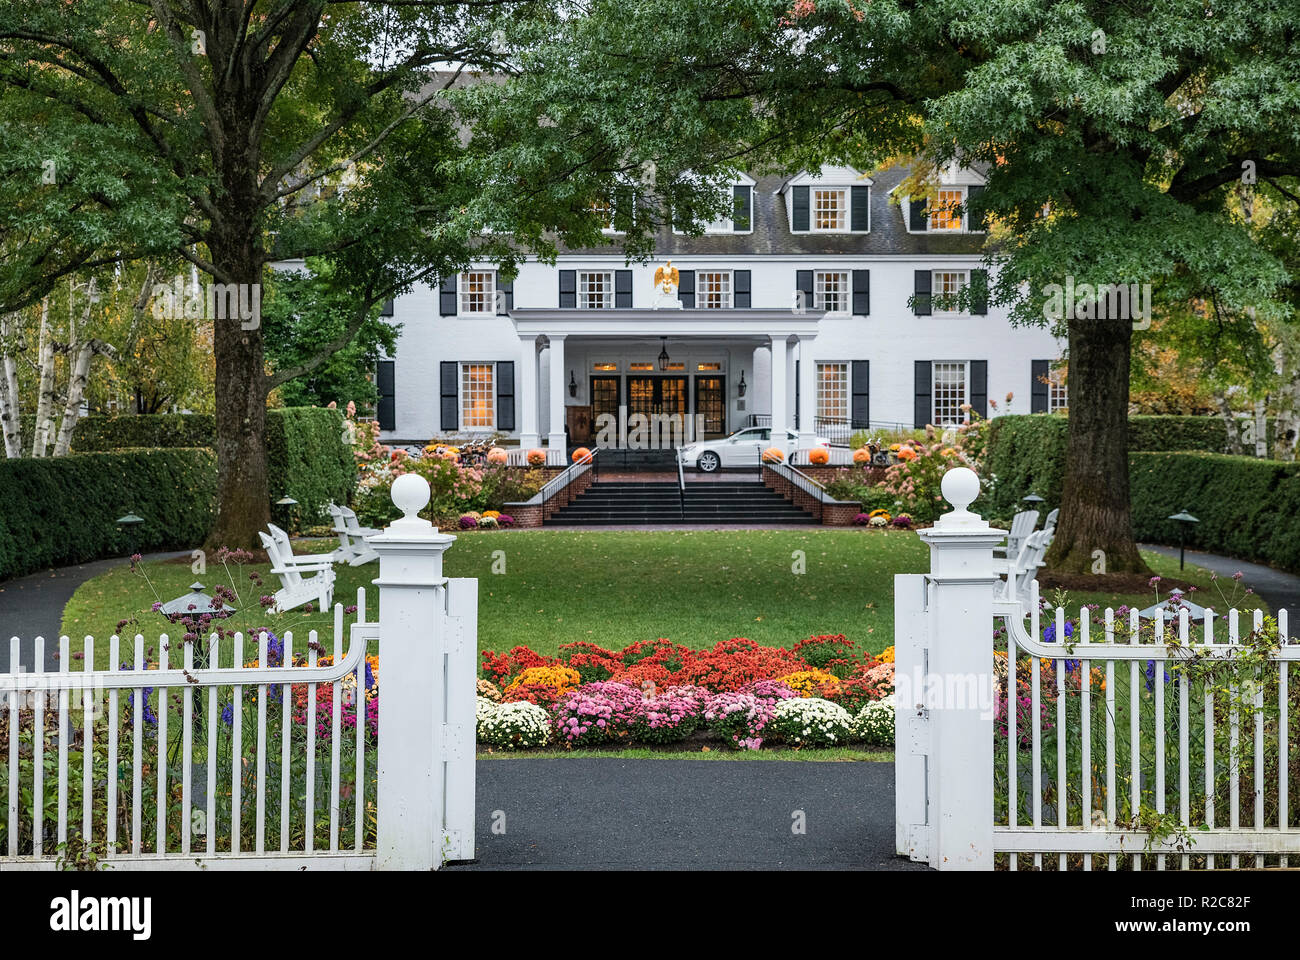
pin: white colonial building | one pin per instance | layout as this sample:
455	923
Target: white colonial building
822	304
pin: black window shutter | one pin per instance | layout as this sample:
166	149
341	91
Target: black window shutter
1038	389
974	221
507	291
505	395
979	387
623	289
918	217
686	288
979	292
860	391
922	408
387	309
449	374
568	288
862	292
447	296
803	282
386	413
743	201
797	378
801	219
921	300
740	280
859	217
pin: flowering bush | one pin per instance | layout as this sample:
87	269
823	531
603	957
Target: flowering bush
486	688
468	521
739	718
903	521
541	685
483	708
874	723
487	523
811	683
502	668
668	716
811	722
595	712
861	519
880	522
515	726
916	477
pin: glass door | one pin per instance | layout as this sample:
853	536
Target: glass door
711	405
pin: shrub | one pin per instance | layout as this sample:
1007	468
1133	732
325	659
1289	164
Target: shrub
63	510
874	723
811	683
541	685
668	716
595	713
515	726
739	719
811	722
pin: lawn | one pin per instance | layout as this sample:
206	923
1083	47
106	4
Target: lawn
544	588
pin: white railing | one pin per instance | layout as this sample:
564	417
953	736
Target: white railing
256	752
837	457
518	456
1102	741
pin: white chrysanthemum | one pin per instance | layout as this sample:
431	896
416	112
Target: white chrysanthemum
811	721
515	726
874	723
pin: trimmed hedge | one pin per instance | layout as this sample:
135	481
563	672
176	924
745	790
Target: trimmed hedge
1247	508
307	457
60	511
1026	452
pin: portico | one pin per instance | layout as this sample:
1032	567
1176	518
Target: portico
718	369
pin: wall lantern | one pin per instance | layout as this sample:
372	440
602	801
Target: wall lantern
742	386
573	385
663	354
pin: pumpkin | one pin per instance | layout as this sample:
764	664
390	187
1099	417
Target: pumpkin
581	455
497	455
537	458
862	455
773	455
819	455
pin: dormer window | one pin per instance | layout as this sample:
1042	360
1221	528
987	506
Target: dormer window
741	218
946	213
829	210
829	200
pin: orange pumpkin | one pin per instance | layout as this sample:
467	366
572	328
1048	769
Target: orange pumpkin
819	455
581	455
862	455
537	458
773	455
497	455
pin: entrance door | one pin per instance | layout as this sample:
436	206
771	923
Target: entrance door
711	404
604	400
664	396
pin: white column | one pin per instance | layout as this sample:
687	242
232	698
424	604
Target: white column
957	696
807	394
527	399
555	439
779	409
412	641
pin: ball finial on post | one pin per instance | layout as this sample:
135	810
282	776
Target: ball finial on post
410	494
960	487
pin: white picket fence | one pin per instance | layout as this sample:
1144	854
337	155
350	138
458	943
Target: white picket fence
1118	747
262	764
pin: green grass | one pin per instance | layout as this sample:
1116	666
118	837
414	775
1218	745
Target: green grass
607	587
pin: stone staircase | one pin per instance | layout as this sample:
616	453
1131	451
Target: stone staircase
658	502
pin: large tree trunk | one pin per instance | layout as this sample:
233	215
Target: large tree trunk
1095	514
9	399
243	501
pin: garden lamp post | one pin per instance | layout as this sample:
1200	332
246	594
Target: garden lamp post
1033	500
287	503
1184	519
128	525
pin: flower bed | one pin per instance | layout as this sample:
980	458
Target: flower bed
657	692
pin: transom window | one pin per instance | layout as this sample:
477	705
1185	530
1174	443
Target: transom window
833	390
708	366
947	286
478	291
604	366
640	366
829	209
831	291
949	389
713	290
946	213
477	397
596	291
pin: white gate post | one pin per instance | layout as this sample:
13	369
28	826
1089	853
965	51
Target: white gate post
412	642
958	683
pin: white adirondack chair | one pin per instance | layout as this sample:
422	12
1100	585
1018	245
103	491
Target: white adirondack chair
1024	569
1022	525
1051	518
344	551
303	579
362	552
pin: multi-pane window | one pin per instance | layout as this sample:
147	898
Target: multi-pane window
833	390
831	291
604	211
596	290
713	290
829	209
477	397
950	394
478	291
1058	396
947	286
945	214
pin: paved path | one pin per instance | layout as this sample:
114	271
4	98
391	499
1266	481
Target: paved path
1279	589
612	814
32	606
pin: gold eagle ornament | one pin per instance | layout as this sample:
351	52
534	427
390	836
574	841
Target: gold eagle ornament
667	277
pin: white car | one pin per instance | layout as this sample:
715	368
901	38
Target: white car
742	449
